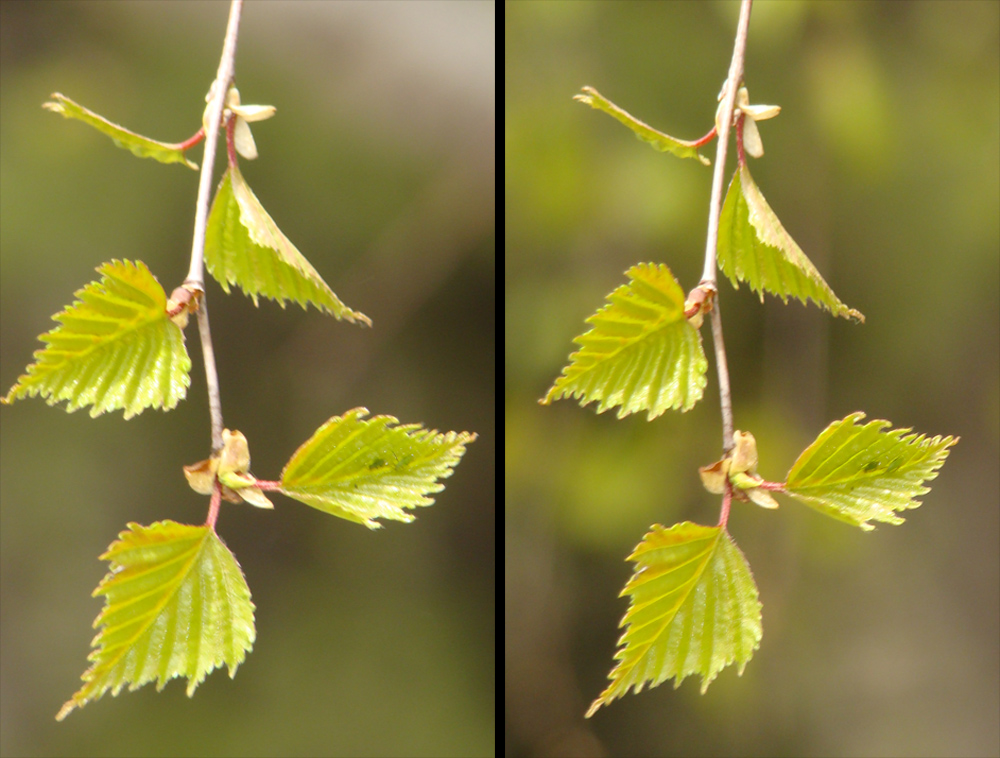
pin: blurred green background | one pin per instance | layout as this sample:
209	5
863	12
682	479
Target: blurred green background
380	168
885	166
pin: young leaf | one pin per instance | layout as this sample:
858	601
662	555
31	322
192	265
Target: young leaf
693	609
755	248
115	348
176	604
660	141
144	147
855	473
244	246
642	354
365	470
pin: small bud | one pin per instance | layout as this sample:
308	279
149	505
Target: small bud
714	477
697	304
201	475
744	453
234	470
751	138
184	300
762	498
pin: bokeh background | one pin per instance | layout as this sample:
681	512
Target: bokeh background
380	168
885	166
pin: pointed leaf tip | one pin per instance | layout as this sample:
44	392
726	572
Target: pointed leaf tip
641	354
115	347
693	609
244	246
362	470
755	248
858	473
176	604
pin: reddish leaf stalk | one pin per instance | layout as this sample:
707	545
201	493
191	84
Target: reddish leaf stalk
213	506
190	142
727	499
231	141
740	155
705	140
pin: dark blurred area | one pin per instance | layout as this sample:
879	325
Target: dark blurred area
380	167
884	165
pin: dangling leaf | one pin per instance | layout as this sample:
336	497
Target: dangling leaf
755	248
176	604
693	609
365	470
856	473
115	348
642	354
660	141
144	147
244	246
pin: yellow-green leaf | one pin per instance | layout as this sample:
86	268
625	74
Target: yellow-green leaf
144	147
363	470
115	348
859	472
176	604
642	353
755	248
244	246
693	609
660	141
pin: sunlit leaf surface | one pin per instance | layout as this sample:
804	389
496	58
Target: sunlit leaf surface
660	141
693	609
363	470
755	248
244	246
642	354
176	604
115	348
144	147
859	472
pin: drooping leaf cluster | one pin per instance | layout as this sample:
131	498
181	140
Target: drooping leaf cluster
176	601
694	605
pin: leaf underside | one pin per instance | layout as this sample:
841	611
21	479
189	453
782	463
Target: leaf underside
755	248
176	604
144	147
693	609
244	246
660	141
362	470
115	348
857	473
642	354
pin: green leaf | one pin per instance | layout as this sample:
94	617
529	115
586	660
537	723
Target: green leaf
642	354
144	147
856	473
660	141
244	246
693	609
115	348
755	248
176	604
365	470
